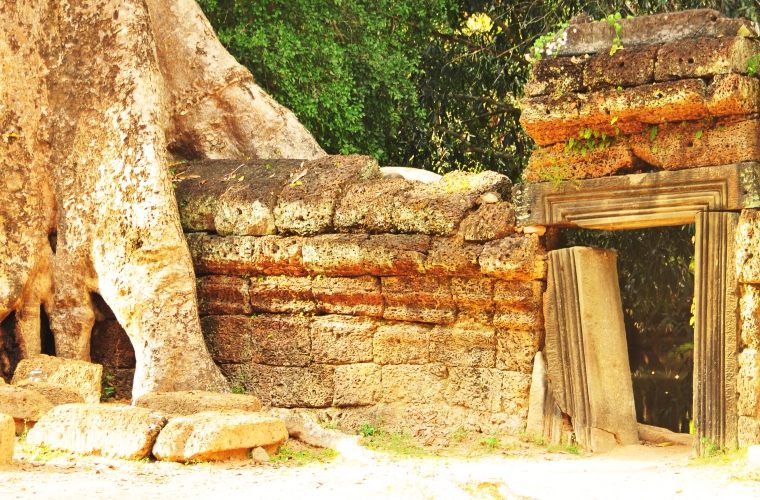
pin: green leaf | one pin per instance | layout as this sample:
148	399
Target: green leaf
653	133
698	134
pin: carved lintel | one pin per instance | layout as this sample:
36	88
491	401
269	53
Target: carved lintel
639	200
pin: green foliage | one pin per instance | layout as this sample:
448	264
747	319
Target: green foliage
711	449
107	390
367	430
303	455
753	64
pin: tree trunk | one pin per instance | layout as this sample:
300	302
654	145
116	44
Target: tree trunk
91	94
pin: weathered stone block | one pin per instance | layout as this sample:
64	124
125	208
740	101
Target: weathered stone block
515	393
414	383
516	349
518	319
748	247
625	68
214	435
7	438
334	254
520	258
522	295
748	384
426	299
355	296
556	76
192	402
749	431
475	388
291	387
231	255
110	346
337	339
55	393
394	254
557	163
437	208
453	257
114	431
24	405
749	316
228	338
474	298
699	144
81	376
276	255
281	340
491	221
282	294
732	94
704	57
463	344
357	385
368	206
402	344
223	295
307	202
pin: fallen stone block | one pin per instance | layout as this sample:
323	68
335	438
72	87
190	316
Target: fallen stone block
674	146
650	434
303	427
625	68
282	294
25	406
223	295
81	376
192	402
307	203
7	438
55	393
352	296
585	159
517	258
259	455
113	431
219	436
491	221
402	344
705	57
556	76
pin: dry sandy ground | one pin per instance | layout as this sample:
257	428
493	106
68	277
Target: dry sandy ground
635	472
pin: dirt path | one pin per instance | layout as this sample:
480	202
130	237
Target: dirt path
635	472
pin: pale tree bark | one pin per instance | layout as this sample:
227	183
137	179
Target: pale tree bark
93	93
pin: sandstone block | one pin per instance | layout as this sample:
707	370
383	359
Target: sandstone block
516	349
526	296
25	406
704	57
307	202
748	247
519	258
589	38
338	339
556	76
354	296
368	206
425	299
55	393
110	346
402	344
749	316
223	295
215	435
437	208
625	68
748	384
81	376
232	255
474	298
276	255
114	431
491	221
414	384
749	431
561	162
229	338
291	387
357	384
394	254
282	294
453	257
192	402
463	344
699	144
334	254
7	438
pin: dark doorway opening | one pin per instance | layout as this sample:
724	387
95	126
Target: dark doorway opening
656	274
10	354
46	334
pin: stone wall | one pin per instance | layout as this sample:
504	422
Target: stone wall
322	285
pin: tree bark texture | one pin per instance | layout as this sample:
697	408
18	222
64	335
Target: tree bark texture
92	94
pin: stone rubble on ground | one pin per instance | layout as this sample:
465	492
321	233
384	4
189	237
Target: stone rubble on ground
24	405
80	376
190	402
7	438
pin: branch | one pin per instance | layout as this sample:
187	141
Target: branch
486	100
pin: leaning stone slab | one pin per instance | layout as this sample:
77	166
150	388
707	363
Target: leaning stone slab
218	436
24	405
7	438
55	393
81	376
192	402
705	57
589	38
114	431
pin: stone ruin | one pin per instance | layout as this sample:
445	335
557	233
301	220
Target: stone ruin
432	306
